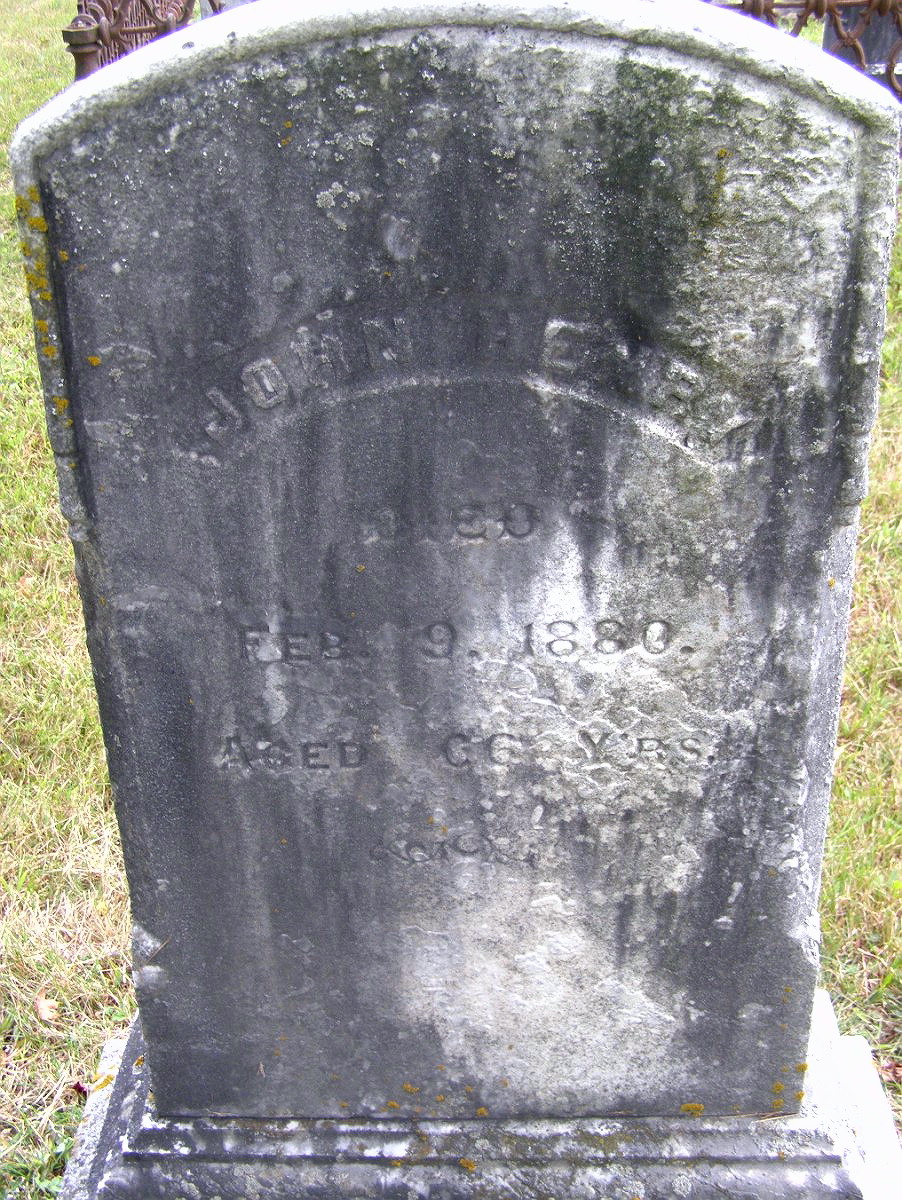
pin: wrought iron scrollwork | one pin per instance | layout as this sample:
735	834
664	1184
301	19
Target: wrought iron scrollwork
104	30
850	21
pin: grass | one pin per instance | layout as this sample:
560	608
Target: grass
862	894
62	899
64	973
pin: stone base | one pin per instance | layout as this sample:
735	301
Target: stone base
842	1144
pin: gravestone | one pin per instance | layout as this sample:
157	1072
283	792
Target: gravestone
461	416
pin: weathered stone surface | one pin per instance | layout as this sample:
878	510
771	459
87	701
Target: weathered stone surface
461	417
841	1145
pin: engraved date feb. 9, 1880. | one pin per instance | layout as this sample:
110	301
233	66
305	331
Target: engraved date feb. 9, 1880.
326	642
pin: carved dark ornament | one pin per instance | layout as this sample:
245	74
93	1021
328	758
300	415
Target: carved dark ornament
104	30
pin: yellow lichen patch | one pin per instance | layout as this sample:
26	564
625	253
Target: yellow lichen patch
284	141
440	1067
467	1164
723	152
101	1081
26	249
440	1097
38	223
46	297
49	351
288	124
801	1068
776	1105
469	1089
393	1104
505	1082
831	582
63	255
778	1088
95	360
343	1104
692	1109
33	194
361	567
800	1096
482	1111
410	1088
22	205
139	1061
397	1162
42	326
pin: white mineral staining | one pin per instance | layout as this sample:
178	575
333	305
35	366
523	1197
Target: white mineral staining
150	980
400	237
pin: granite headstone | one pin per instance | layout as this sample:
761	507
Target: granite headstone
461	415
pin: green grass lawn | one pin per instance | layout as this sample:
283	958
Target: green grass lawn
64	979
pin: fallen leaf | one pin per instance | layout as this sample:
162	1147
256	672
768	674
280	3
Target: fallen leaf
47	1010
891	1071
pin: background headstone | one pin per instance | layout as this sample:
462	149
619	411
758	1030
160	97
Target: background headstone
461	418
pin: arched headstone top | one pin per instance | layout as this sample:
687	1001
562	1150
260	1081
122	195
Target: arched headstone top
461	414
